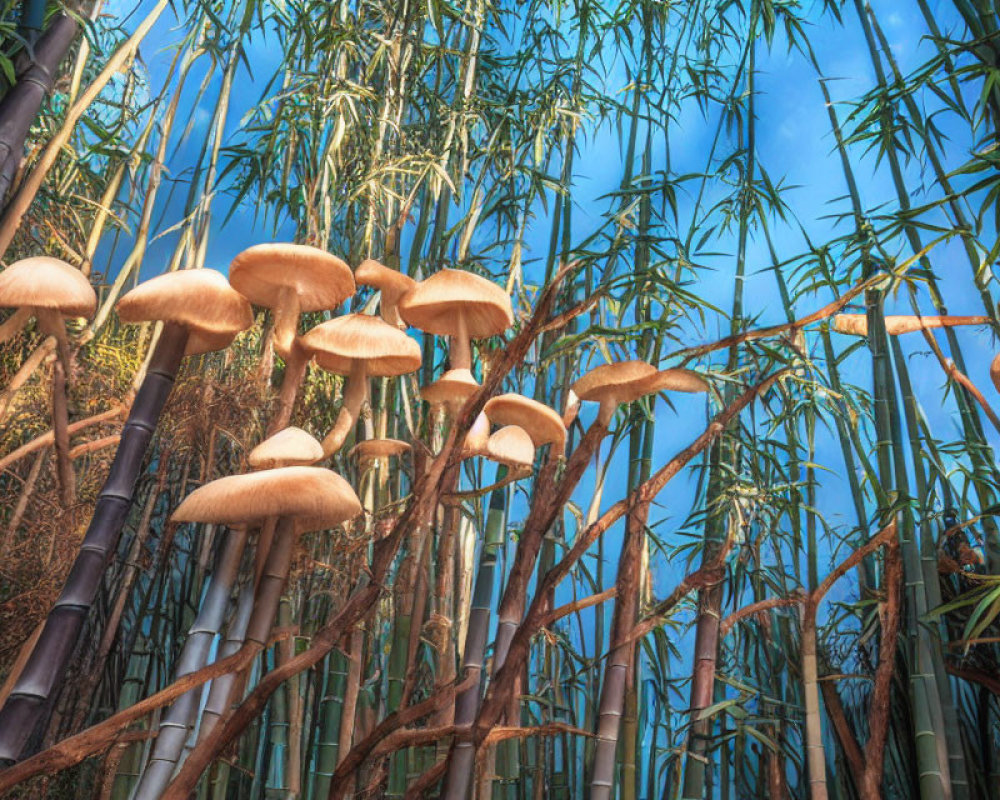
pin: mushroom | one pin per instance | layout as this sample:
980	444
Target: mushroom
477	438
511	446
304	498
374	449
857	324
358	346
995	372
199	300
541	423
290	279
451	390
51	289
458	304
291	447
392	285
626	381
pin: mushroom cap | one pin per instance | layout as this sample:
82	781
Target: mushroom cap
315	497
338	343
477	437
44	282
511	445
321	280
995	372
541	423
290	447
199	299
452	389
379	448
434	304
372	273
675	380
622	382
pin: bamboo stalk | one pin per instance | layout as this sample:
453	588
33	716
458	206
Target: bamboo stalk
27	706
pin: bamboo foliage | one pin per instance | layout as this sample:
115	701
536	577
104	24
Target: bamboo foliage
632	621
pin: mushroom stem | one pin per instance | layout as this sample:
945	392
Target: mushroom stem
388	310
50	322
460	354
295	370
286	322
606	412
355	391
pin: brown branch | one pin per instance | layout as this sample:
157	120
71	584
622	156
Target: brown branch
47	438
99	737
93	446
880	700
424	782
756	608
884	536
848	742
578	605
689	353
502	734
984	679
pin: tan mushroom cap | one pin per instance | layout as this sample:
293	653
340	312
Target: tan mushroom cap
452	389
379	448
291	447
319	279
623	382
199	299
675	380
541	423
995	372
435	304
316	498
44	282
372	273
385	351
477	438
511	445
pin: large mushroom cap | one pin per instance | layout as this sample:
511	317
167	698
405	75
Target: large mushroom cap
623	382
541	423
511	445
199	299
675	380
319	279
43	282
434	304
371	449
372	273
451	389
338	343
290	447
317	499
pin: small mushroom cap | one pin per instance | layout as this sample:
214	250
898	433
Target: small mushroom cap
379	448
433	305
511	445
43	282
315	497
338	343
675	380
452	389
321	280
290	447
622	382
199	299
542	424
372	273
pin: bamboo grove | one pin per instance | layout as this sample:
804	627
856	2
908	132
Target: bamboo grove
769	566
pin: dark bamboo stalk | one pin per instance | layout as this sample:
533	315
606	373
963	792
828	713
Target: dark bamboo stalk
20	105
28	705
